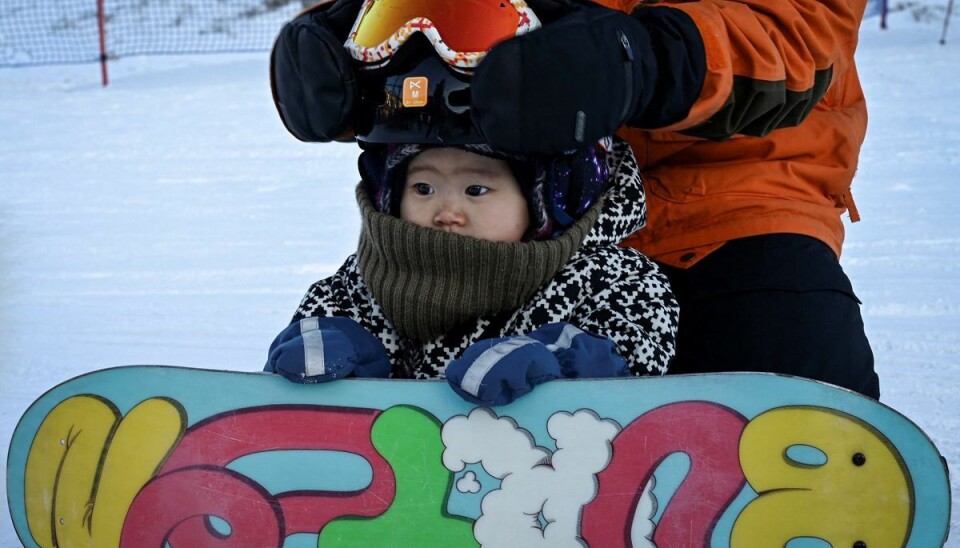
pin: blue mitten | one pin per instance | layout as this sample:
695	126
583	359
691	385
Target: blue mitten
323	349
498	371
582	355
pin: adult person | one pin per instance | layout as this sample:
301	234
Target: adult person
747	119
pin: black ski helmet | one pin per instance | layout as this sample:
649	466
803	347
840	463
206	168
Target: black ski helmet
415	98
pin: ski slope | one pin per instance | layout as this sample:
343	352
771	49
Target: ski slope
170	219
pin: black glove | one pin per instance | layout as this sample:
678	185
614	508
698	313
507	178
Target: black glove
314	85
582	76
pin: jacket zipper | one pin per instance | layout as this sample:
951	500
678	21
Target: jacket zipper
628	66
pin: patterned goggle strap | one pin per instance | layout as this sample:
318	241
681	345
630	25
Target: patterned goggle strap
461	31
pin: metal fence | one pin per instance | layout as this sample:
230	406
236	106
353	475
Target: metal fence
36	32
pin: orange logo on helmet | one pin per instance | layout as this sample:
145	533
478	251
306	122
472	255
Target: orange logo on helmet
415	91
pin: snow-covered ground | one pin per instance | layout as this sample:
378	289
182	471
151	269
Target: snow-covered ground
170	219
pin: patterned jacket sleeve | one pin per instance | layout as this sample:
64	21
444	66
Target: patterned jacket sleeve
320	299
631	304
344	294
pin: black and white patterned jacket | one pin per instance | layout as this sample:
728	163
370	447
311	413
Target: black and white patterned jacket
604	289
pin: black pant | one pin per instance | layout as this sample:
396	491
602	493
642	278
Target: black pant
779	303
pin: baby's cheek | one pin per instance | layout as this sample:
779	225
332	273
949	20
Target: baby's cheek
512	228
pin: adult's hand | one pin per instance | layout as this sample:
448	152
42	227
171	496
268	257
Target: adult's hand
314	84
580	77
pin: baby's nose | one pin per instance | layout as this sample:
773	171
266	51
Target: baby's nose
450	214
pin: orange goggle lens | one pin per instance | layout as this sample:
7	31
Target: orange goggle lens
464	25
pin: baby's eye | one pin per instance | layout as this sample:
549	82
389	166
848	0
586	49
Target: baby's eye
477	190
423	189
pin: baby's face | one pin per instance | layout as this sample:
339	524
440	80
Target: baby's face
470	194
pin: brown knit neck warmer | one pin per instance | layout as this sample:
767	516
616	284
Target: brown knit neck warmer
429	281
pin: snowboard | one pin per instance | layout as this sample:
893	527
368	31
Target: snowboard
146	456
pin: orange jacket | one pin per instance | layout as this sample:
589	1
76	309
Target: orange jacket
723	173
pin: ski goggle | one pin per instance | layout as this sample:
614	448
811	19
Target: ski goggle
461	31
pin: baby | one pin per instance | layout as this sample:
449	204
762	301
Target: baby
493	270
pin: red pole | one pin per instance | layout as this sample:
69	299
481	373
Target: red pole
103	43
946	23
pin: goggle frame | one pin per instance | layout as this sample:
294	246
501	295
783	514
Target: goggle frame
374	57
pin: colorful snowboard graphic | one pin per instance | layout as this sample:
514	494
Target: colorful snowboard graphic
148	456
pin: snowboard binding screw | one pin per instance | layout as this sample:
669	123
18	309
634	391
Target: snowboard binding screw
859	459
